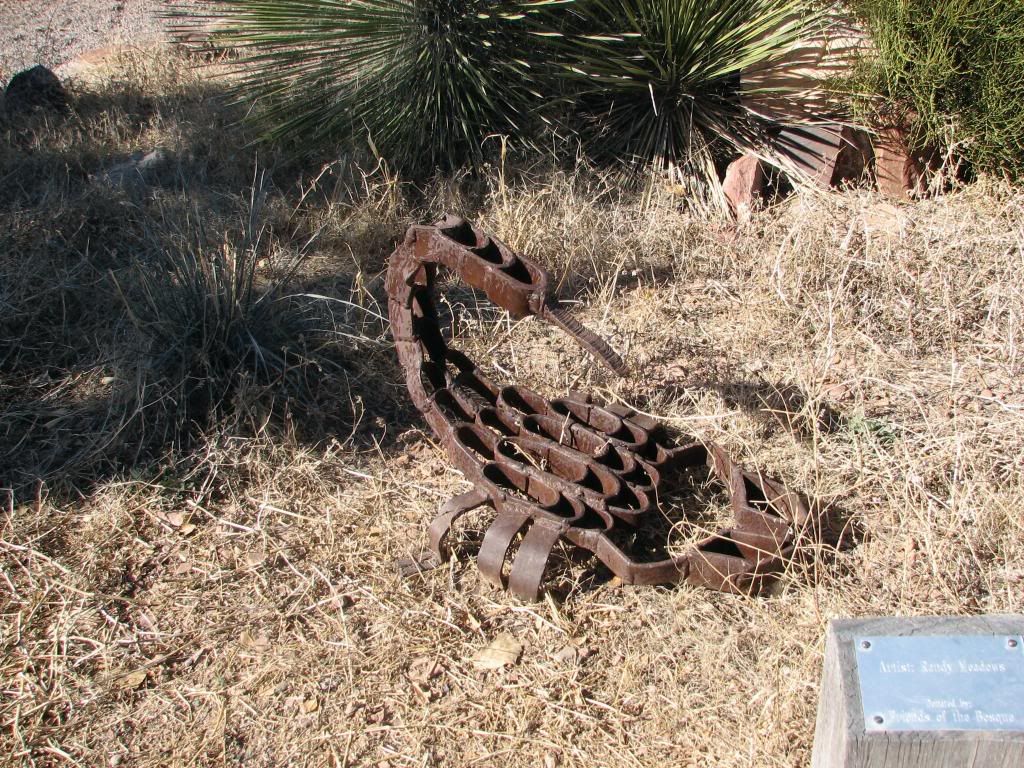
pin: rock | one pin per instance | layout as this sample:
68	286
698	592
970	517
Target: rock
853	161
744	185
830	155
93	66
35	88
140	169
811	151
97	66
827	155
900	170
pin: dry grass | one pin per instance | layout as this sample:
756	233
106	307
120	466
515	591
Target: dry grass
230	598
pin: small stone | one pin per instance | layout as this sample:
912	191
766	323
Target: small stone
35	88
744	185
140	169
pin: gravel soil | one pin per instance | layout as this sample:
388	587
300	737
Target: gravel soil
51	32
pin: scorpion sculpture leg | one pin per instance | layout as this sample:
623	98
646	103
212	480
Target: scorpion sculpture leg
568	469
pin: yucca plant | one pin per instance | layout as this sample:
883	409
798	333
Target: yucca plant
660	80
421	83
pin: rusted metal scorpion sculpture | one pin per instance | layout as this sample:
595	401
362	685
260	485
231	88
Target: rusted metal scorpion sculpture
565	469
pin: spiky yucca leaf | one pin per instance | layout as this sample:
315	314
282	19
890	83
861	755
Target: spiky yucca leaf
423	82
659	80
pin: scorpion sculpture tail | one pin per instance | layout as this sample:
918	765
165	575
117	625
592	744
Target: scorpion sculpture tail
566	469
587	339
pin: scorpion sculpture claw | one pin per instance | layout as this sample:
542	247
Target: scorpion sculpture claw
567	469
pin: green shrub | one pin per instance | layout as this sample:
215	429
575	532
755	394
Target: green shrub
952	71
221	336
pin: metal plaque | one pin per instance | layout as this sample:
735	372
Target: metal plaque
941	682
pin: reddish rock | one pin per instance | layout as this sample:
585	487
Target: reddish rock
900	170
744	185
811	150
853	161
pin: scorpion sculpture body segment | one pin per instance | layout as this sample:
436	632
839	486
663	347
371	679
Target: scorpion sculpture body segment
565	469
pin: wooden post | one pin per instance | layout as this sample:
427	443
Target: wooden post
841	739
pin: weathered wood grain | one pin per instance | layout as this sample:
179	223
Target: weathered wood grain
840	740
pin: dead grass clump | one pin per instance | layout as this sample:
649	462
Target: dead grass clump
234	600
141	303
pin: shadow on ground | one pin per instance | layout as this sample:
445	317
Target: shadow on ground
161	278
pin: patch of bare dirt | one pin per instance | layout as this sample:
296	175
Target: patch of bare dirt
52	32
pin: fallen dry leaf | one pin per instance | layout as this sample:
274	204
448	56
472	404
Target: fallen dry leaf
910	548
132	680
567	655
147	622
173	519
424	669
836	392
254	559
503	651
352	707
257	643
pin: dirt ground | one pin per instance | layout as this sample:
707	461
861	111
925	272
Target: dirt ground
51	32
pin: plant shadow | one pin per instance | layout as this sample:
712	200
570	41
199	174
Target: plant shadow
155	287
